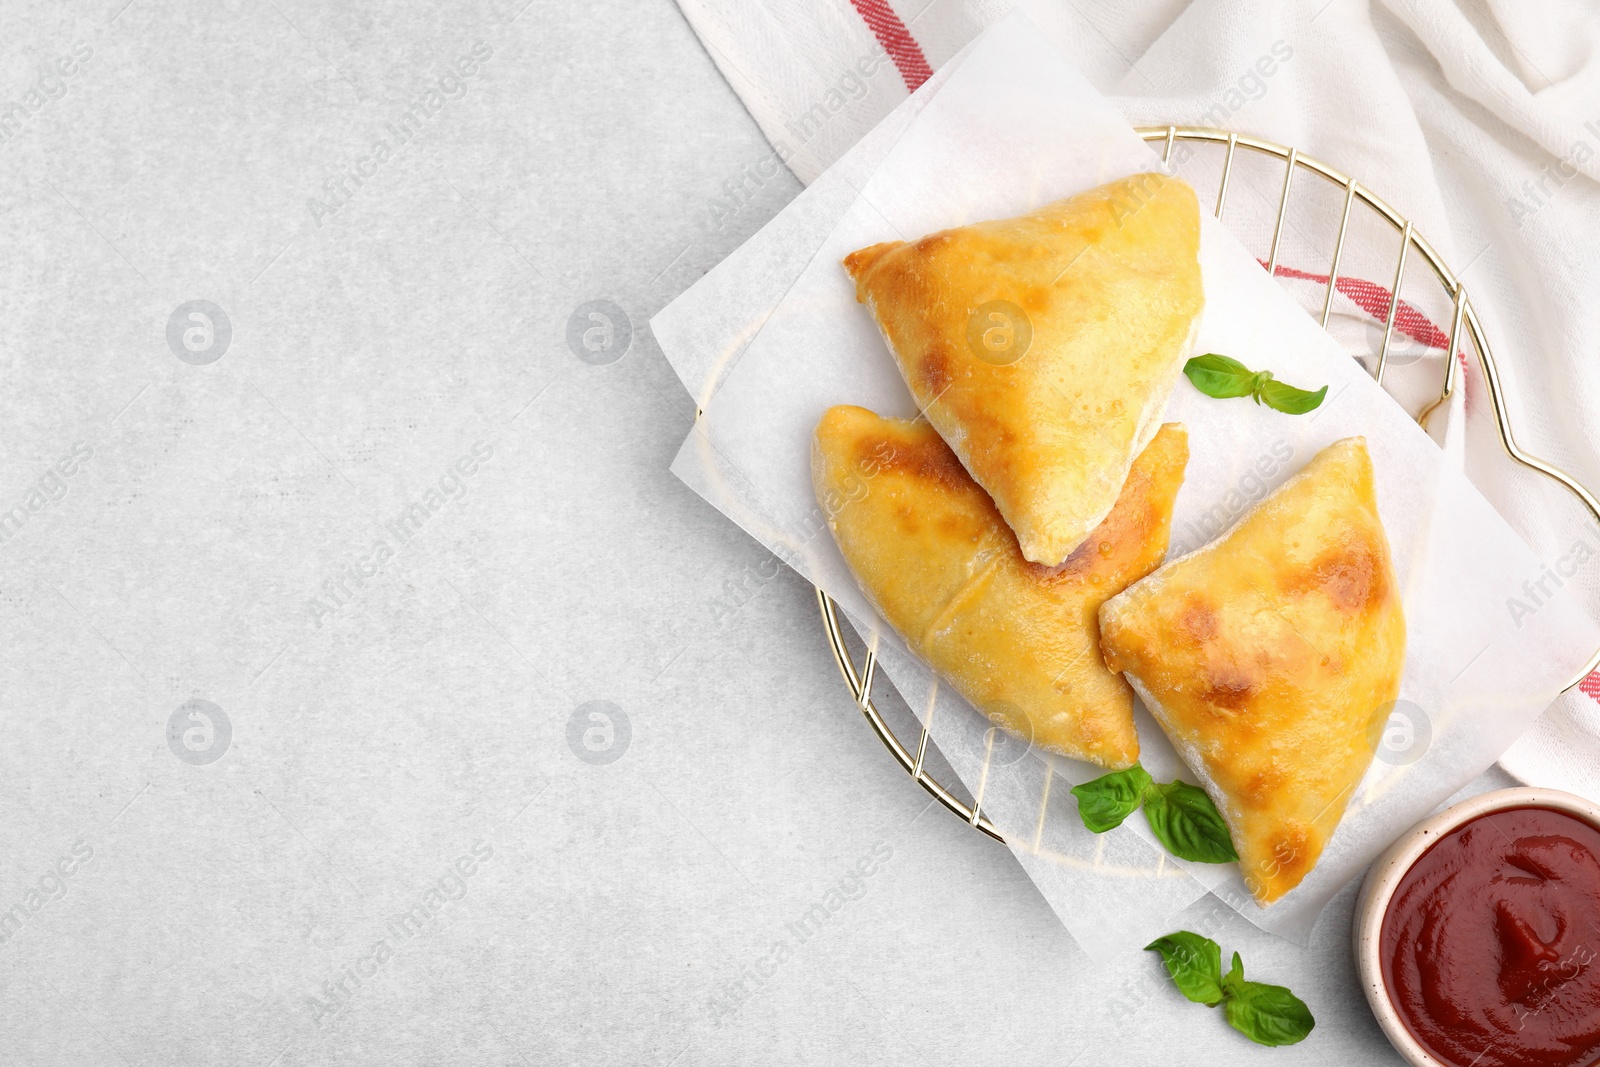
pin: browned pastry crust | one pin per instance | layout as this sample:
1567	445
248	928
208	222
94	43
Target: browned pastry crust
1271	659
1043	348
1018	640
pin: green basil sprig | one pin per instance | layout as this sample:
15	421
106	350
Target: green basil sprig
1180	815
1222	377
1266	1014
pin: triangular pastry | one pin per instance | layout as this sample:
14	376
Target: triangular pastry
1043	348
1019	641
1271	658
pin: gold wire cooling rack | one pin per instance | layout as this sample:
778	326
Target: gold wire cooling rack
859	680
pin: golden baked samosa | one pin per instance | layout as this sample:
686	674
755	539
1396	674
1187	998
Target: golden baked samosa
1043	348
1018	640
1271	658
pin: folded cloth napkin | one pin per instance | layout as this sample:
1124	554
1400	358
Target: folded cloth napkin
1477	119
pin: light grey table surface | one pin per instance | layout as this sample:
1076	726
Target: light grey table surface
397	537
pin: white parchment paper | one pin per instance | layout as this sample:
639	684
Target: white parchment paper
774	337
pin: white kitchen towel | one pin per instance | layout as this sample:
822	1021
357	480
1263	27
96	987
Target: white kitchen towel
1477	119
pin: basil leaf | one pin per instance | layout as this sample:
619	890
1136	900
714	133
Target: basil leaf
1219	376
1185	820
1223	377
1235	975
1267	1014
1109	799
1288	399
1194	963
1218	362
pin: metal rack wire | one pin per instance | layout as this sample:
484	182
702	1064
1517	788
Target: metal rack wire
860	679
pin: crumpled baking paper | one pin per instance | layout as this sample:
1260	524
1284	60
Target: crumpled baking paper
773	337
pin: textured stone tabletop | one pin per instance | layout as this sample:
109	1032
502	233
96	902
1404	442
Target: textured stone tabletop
372	692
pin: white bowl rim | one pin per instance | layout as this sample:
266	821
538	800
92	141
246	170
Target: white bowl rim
1388	869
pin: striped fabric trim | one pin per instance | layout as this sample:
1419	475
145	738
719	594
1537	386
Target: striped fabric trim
896	40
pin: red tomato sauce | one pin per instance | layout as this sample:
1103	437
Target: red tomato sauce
1491	943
